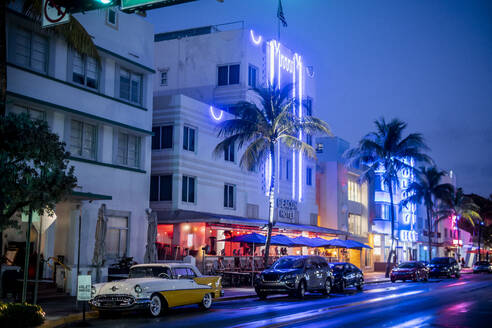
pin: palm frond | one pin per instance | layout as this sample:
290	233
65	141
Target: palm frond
298	145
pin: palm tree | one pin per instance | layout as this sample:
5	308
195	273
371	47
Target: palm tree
388	151
429	190
261	125
462	207
72	32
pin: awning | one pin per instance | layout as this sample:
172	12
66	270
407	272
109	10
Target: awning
78	195
183	216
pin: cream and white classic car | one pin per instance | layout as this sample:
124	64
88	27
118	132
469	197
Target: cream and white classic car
156	287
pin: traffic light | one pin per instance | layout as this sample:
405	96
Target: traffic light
75	6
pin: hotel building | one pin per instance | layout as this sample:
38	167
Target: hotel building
202	199
102	110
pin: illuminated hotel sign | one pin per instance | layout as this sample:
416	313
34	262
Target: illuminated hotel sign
408	212
287	209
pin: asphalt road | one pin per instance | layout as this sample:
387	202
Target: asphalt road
464	302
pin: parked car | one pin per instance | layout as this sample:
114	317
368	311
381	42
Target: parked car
347	275
444	266
482	266
155	287
413	270
295	275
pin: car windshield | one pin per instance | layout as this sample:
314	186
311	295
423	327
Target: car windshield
440	260
408	265
288	263
482	263
148	272
337	267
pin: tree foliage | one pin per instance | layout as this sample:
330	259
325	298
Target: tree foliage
33	167
388	149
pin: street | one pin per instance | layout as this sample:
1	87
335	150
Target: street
464	302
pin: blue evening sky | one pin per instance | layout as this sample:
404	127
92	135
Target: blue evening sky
427	62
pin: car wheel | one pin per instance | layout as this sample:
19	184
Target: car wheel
261	296
327	289
206	301
156	305
342	286
393	280
457	275
360	285
301	290
426	277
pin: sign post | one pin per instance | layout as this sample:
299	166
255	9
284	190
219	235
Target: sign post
84	285
54	14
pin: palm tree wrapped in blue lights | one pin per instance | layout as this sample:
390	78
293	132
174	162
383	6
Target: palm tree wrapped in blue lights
261	125
386	152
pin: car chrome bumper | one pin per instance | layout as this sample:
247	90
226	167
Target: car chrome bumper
276	286
138	304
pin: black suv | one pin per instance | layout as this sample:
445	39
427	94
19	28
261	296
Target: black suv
294	275
444	266
347	275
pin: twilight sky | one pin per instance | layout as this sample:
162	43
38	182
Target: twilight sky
427	62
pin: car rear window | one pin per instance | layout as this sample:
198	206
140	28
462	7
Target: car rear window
440	260
408	265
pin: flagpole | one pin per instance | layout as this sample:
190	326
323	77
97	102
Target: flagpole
278	23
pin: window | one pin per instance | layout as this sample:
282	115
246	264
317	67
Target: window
112	17
309	176
188	189
356	225
117	236
229	153
309	139
163	137
83	139
33	114
189	138
228	74
353	191
30	50
252	211
128	150
445	232
287	169
309	106
252	75
319	148
161	187
385	211
130	86
164	77
85	71
229	195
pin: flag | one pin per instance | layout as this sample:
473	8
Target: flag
280	14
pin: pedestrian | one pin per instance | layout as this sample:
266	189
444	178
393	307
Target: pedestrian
462	262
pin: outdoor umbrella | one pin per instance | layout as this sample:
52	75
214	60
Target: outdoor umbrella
337	243
356	244
150	249
321	242
305	241
282	240
251	238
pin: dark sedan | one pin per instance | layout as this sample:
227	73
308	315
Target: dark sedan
482	266
415	271
347	275
294	275
444	266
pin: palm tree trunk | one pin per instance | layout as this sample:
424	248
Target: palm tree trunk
429	233
3	57
271	206
392	214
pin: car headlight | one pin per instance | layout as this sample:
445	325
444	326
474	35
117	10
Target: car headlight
138	289
93	291
289	277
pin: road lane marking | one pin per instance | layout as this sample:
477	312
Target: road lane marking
310	315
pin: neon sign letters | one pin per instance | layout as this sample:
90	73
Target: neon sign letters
215	116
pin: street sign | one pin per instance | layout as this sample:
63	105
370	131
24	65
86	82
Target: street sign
54	14
132	5
84	286
25	217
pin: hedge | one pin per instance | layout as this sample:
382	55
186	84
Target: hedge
13	315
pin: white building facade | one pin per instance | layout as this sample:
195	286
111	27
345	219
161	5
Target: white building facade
201	73
103	112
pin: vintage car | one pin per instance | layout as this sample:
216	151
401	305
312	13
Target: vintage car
156	287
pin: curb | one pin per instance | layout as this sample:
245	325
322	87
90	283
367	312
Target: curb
69	319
